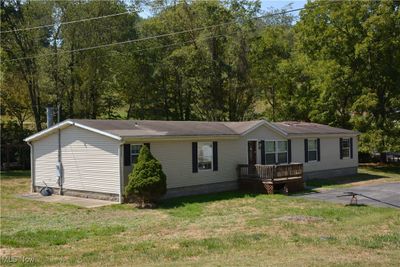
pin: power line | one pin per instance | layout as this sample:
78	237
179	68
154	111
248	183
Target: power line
154	37
66	23
168	45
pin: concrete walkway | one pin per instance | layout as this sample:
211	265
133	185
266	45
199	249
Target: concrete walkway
77	201
383	195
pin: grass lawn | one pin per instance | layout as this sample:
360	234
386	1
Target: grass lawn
366	175
228	229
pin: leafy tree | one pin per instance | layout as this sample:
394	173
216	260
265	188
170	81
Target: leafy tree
147	182
273	47
354	48
26	45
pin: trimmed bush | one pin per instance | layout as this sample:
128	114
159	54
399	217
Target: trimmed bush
147	181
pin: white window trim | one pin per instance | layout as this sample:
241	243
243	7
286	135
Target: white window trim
316	149
346	138
212	156
276	152
130	154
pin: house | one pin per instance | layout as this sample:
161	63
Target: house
92	158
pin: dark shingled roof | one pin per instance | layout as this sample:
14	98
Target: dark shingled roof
295	127
139	128
153	128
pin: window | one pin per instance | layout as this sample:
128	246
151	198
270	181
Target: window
270	152
276	152
135	149
282	152
345	148
312	149
204	155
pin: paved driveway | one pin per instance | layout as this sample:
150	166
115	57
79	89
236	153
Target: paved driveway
385	195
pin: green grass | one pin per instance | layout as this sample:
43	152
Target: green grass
366	175
227	229
14	174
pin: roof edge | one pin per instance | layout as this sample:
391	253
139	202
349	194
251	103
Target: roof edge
67	123
268	124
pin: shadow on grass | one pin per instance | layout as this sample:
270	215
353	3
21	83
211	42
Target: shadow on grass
182	201
395	168
16	174
343	180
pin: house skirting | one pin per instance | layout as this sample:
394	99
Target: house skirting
330	173
201	189
83	194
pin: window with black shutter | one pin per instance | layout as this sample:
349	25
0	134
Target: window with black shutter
127	154
312	149
305	150
262	147
346	148
194	157
351	148
215	156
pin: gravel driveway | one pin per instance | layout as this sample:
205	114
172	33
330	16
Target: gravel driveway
385	195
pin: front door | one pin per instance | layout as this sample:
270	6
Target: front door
252	156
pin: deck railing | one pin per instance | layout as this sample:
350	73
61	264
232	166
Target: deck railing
271	172
245	172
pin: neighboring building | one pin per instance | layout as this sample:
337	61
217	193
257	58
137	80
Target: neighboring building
94	157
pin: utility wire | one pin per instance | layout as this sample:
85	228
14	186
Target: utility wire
154	36
66	23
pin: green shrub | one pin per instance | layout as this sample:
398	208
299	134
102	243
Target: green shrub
147	181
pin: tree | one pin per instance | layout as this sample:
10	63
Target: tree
15	99
269	50
26	45
355	65
147	182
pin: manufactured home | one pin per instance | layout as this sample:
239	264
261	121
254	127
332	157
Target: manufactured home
93	158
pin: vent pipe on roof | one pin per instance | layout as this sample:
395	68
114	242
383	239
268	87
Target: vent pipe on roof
49	116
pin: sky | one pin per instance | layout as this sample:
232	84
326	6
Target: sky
265	5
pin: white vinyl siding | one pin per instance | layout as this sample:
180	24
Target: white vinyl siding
45	156
90	161
330	154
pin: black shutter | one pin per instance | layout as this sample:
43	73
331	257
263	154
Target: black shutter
305	150
127	154
340	147
318	150
289	143
215	156
351	147
262	152
194	157
148	145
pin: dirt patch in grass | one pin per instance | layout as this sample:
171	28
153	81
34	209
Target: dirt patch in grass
11	252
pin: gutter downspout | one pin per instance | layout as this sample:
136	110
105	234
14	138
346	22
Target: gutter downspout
121	172
59	165
32	168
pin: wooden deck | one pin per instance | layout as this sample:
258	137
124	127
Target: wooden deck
270	178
